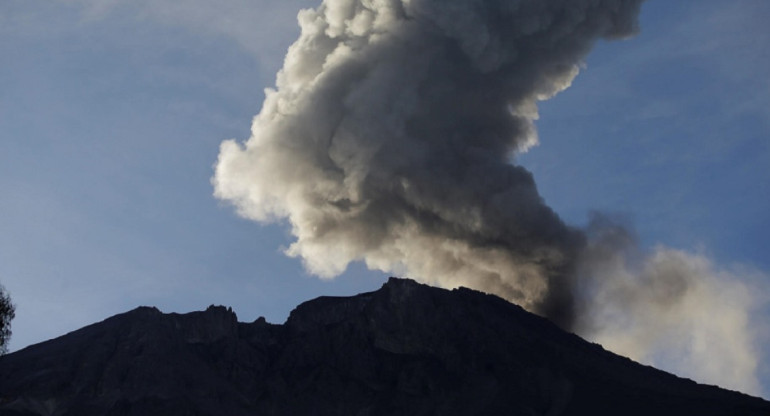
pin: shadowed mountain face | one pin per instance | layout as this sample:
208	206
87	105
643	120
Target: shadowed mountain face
404	349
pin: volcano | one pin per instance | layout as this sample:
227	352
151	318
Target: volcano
405	349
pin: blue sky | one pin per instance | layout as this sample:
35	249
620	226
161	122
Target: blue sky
112	112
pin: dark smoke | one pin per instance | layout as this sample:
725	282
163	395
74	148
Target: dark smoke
391	139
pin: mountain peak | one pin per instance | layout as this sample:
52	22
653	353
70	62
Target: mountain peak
406	348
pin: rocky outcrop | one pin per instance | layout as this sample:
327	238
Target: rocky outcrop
404	349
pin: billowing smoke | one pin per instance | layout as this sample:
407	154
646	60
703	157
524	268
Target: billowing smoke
391	135
391	139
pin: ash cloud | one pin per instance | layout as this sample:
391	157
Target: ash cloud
391	139
669	308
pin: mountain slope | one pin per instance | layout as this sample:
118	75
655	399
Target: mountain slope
404	349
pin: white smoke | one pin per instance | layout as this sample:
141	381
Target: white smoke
669	308
390	139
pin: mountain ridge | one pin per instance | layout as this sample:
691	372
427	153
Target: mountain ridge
406	348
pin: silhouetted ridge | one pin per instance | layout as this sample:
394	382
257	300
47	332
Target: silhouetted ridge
403	349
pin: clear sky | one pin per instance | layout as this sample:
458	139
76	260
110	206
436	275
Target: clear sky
112	112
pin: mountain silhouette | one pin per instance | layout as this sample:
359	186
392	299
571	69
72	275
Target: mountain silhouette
405	349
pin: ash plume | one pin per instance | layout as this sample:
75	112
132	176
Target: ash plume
669	308
391	139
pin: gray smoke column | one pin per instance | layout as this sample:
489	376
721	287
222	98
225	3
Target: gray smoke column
391	139
391	135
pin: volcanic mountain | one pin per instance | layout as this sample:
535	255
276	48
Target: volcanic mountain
405	349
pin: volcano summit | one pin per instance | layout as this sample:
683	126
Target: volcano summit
406	348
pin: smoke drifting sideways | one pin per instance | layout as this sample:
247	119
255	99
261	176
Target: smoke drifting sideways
391	139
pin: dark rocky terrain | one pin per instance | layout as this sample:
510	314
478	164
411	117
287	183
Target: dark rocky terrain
406	349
